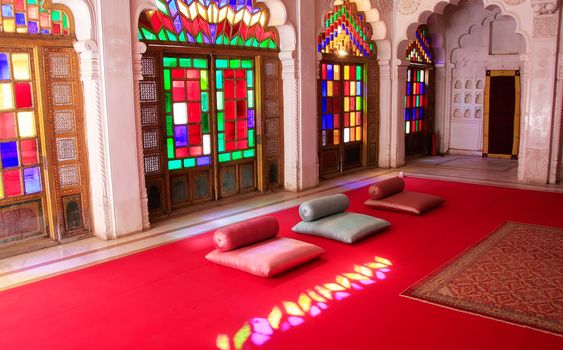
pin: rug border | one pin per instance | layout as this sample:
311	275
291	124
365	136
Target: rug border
408	293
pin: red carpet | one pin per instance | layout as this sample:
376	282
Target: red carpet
171	297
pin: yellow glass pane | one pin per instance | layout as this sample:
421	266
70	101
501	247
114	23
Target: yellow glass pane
1	187
358	133
353	89
21	30
6	96
346	104
329	89
346	72
9	25
336	137
26	124
336	72
352	119
20	62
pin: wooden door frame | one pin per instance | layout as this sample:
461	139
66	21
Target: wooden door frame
486	116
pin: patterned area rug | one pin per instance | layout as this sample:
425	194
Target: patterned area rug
514	275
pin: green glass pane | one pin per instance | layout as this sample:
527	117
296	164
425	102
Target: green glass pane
251	138
56	15
237	155
162	35
140	34
203	80
234	41
219	40
162	6
171	36
225	157
250	99
220	100
205	102
200	63
189	163
246	63
32	2
221	142
264	44
272	45
358	73
205	123
234	63
248	43
219	79
169	126
167	82
222	64
147	34
255	43
249	153
174	164
199	39
249	79
359	103
182	37
168	102
170	62
221	121
170	147
185	62
240	41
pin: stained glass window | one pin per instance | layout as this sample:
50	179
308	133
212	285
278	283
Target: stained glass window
420	50
29	17
213	22
416	101
341	103
20	172
186	91
236	110
346	32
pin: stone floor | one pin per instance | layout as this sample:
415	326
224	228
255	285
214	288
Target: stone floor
26	268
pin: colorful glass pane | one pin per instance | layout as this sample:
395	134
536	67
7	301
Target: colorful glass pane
346	32
210	22
235	121
416	101
29	17
188	132
420	49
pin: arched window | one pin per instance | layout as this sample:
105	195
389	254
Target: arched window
348	92
419	92
43	176
210	102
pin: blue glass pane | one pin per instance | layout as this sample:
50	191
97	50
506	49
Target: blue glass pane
330	122
251	119
408	89
7	11
407	115
323	122
325	107
9	152
20	19
181	136
358	88
330	72
324	88
32	27
173	8
203	161
4	67
32	180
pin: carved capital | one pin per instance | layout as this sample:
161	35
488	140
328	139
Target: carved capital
89	59
289	65
544	7
139	49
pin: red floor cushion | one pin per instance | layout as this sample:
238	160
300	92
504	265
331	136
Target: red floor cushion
268	258
244	233
385	188
407	202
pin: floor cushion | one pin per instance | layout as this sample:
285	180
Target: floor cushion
385	188
244	233
344	227
320	207
407	202
268	258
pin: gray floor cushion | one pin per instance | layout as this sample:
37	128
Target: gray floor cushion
344	227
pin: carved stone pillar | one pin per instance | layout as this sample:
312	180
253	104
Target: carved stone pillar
138	51
398	120
385	89
291	121
554	170
538	123
96	139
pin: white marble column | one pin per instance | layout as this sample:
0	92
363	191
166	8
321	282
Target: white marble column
398	120
385	112
96	137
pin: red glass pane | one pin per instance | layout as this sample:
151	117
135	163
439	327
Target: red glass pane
192	74
346	88
324	71
330	103
352	72
194	93
230	110
229	89
242	127
337	106
182	152
7	126
12	183
241	89
241	109
242	145
352	104
229	131
229	73
178	73
56	28
196	151
240	74
346	119
336	89
19	5
231	146
337	121
178	91
194	113
23	95
156	23
194	132
28	152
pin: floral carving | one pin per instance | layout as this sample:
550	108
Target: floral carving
407	7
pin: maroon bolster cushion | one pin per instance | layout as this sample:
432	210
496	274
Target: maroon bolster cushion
244	233
407	202
387	187
268	258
